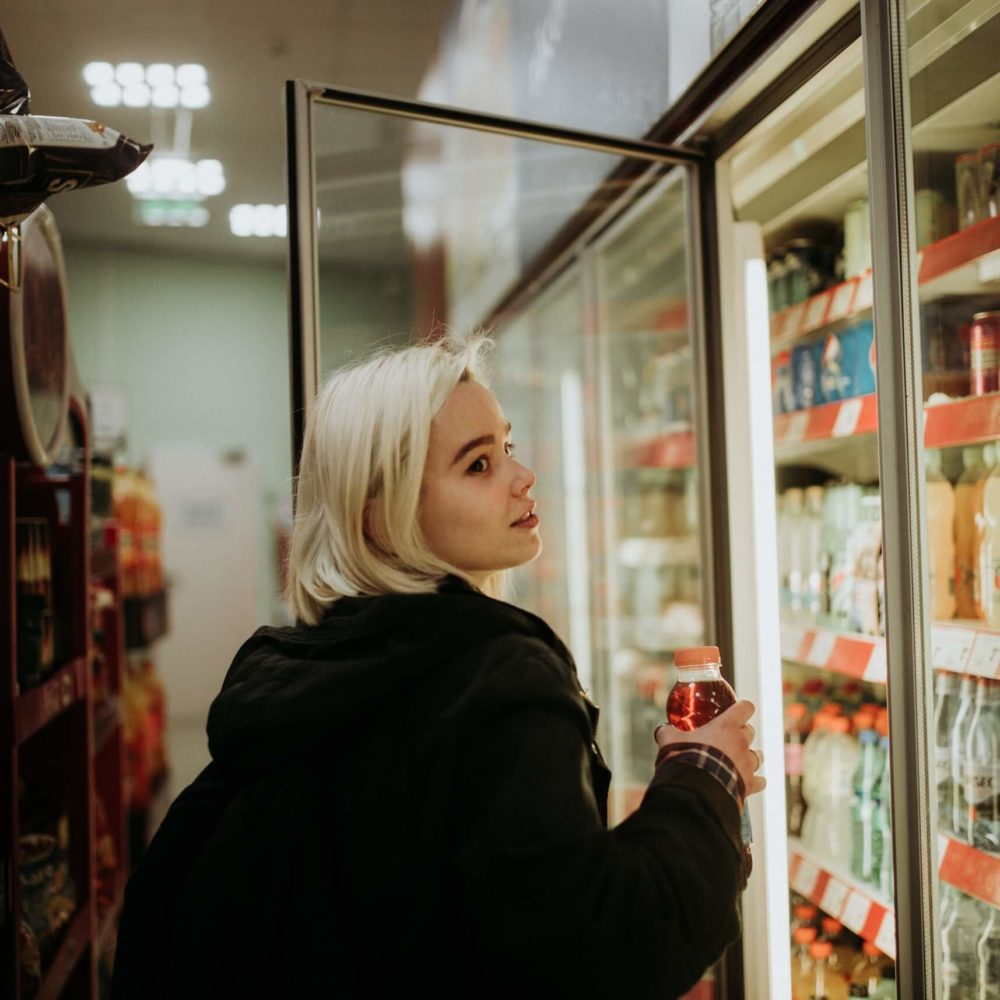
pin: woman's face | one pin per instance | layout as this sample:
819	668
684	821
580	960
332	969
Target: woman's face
475	510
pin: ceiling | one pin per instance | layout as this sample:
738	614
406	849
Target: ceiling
249	49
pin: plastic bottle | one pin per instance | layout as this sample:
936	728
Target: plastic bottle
812	532
982	768
813	778
941	538
867	972
959	731
946	686
959	958
968	527
803	977
795	550
796	725
881	835
841	958
864	862
989	547
866	551
988	957
828	985
833	832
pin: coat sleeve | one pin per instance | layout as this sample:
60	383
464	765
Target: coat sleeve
552	897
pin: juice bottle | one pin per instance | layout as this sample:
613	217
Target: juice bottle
968	528
941	539
701	692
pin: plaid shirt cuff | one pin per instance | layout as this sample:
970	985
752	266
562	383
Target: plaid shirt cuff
709	759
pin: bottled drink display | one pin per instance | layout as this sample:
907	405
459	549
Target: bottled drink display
945	709
959	943
982	768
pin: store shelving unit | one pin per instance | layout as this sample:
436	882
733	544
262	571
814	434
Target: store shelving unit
58	720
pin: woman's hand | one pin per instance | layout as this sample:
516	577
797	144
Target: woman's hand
730	732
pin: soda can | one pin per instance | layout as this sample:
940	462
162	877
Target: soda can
984	353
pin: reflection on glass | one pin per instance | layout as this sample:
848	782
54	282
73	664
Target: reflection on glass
651	480
954	95
423	225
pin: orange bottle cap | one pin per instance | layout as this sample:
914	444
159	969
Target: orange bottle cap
803	935
696	656
831	926
821	949
870	949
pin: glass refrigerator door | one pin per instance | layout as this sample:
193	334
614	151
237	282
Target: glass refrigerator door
652	579
797	262
955	110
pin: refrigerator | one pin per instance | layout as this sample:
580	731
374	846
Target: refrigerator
760	380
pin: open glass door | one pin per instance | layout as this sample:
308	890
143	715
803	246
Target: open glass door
407	218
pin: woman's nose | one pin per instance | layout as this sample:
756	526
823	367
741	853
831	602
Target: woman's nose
524	479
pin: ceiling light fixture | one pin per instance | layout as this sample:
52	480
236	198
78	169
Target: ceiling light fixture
160	85
258	220
175	177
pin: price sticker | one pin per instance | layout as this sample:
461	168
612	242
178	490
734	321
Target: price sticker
847	417
840	302
855	911
885	939
816	310
864	297
876	671
797	426
791	640
950	647
804	881
822	647
984	661
834	896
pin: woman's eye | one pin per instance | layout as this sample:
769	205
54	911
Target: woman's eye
481	464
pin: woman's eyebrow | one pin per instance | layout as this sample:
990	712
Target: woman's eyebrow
476	443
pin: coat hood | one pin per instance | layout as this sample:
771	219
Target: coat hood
289	688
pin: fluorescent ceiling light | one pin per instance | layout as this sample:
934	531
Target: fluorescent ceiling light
97	73
130	72
176	214
163	177
107	95
160	74
258	220
191	75
158	84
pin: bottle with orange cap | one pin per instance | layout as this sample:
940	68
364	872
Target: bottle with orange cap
699	694
803	977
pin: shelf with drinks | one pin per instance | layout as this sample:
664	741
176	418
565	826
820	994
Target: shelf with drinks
856	904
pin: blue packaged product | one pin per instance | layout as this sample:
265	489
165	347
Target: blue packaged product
806	359
782	395
864	358
835	376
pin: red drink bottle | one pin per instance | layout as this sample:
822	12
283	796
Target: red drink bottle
701	692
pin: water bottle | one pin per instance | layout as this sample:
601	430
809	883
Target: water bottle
959	957
959	731
988	956
945	709
835	837
863	861
882	824
982	768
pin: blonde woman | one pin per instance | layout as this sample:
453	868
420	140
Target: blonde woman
406	796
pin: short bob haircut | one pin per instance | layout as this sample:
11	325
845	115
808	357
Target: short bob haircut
356	530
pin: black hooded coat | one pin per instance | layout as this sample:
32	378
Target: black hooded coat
408	799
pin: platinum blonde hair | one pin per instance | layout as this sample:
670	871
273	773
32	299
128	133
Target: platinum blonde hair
356	530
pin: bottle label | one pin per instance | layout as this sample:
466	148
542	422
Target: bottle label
943	764
980	782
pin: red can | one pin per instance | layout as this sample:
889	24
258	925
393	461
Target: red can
984	353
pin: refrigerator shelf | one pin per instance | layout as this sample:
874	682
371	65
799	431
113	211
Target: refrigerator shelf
859	656
857	905
672	450
969	870
963	263
959	647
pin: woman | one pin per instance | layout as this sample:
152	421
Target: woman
406	797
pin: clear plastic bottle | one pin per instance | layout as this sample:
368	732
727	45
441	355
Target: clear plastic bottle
812	532
988	957
882	824
959	959
864	862
959	732
813	778
946	686
833	834
982	768
941	538
867	972
795	547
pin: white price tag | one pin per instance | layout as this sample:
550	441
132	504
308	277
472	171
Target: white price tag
847	417
797	426
863	299
816	310
876	669
840	304
834	896
984	661
791	640
855	911
793	318
950	647
821	648
804	882
886	937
